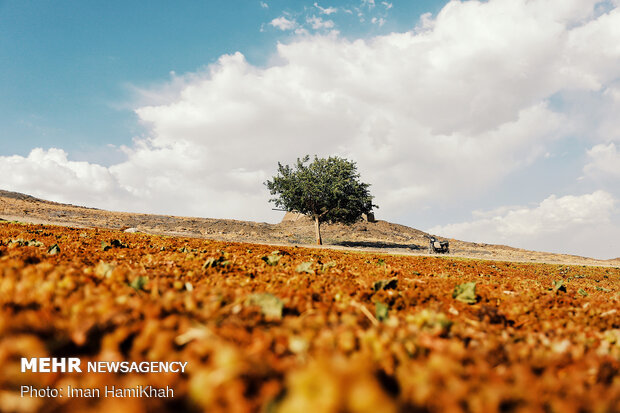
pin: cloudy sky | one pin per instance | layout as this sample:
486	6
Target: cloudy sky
492	121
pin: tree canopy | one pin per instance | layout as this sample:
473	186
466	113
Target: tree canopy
326	189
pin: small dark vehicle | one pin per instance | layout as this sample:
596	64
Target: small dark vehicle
438	247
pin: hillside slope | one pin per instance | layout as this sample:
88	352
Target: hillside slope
380	236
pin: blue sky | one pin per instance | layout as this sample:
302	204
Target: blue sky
491	121
69	67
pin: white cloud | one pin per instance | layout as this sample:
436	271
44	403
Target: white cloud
283	23
49	174
552	215
264	5
326	10
604	162
378	21
603	129
300	31
368	3
317	23
440	114
557	224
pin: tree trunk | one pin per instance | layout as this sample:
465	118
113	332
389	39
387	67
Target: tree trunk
317	227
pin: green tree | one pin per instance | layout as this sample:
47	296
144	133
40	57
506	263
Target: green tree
327	190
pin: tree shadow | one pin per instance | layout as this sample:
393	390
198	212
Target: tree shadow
379	244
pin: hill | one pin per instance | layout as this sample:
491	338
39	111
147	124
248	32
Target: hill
380	236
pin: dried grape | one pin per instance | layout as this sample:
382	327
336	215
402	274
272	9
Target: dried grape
303	329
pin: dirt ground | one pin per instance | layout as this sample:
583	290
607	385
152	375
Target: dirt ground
289	330
379	236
